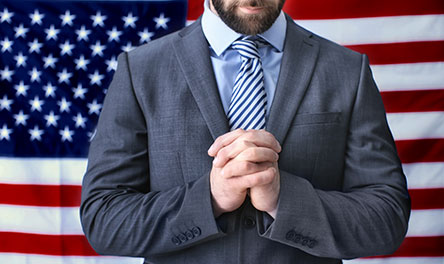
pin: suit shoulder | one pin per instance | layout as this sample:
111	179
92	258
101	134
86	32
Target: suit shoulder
333	51
329	49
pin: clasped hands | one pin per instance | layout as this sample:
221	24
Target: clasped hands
245	163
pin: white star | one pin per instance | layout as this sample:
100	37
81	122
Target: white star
112	64
51	119
36	18
80	120
21	89
94	107
114	34
97	49
82	34
36	133
145	35
35	46
66	48
5	132
6	45
20	59
130	20
21	118
35	75
79	92
49	90
6	16
5	103
128	47
81	63
36	104
98	19
49	61
6	74
66	134
161	21
51	33
20	31
96	78
64	105
67	18
64	76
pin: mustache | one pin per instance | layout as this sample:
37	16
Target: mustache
253	3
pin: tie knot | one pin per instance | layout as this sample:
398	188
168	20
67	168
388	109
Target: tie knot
247	48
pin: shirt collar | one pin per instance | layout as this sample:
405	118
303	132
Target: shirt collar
220	36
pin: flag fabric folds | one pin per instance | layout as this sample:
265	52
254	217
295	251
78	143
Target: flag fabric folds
57	59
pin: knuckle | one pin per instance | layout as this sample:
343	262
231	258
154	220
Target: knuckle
222	154
246	166
253	181
267	176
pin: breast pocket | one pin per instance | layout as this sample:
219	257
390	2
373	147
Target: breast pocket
308	135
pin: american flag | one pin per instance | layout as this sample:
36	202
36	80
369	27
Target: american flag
57	58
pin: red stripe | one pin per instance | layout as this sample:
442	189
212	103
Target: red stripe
413	101
332	9
57	245
40	195
421	150
407	52
419	247
423	199
195	9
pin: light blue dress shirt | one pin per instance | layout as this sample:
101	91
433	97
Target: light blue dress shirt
227	61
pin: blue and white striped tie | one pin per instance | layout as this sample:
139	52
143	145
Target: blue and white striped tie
248	99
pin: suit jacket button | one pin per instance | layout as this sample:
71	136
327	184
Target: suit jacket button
196	231
182	238
189	234
176	241
249	222
290	235
305	241
297	239
312	243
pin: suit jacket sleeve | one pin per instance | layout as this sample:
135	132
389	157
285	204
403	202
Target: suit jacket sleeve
369	215
119	213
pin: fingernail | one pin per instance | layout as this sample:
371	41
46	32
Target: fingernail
210	150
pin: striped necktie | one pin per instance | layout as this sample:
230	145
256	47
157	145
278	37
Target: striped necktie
248	100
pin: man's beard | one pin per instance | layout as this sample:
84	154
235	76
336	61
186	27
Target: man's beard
248	24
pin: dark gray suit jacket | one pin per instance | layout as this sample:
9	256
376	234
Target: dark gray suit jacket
146	191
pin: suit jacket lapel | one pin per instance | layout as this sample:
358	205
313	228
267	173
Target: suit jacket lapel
194	58
298	62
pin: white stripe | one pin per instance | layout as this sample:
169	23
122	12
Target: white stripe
409	76
424	175
42	171
426	223
416	125
378	29
426	260
16	258
40	220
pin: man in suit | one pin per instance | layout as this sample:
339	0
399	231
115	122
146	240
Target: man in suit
171	179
